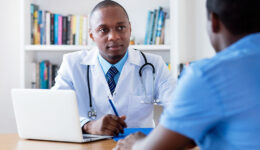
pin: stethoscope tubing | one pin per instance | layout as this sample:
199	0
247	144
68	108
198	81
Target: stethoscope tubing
140	74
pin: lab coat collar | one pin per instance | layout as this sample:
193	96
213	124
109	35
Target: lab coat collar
134	57
91	58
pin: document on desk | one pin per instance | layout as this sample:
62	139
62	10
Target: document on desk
128	131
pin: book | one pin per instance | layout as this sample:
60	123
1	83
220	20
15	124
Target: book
52	28
54	73
56	29
73	30
59	30
166	36
35	26
43	28
44	74
64	30
148	22
160	27
33	8
150	28
39	22
69	35
156	24
48	28
49	76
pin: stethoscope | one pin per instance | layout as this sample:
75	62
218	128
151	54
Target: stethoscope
92	114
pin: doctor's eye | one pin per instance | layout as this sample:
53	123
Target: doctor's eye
103	30
121	28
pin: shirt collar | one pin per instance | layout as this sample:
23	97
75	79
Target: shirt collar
106	65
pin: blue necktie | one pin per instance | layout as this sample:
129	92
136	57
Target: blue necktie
110	78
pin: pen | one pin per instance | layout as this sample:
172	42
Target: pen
113	107
115	111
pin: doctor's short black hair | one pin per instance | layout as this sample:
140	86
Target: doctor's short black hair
107	3
239	16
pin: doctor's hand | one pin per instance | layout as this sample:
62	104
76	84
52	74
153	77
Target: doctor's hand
107	125
129	141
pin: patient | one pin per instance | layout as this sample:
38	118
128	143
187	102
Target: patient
216	104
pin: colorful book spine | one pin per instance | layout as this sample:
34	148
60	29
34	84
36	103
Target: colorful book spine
150	29
64	30
33	8
54	69
49	76
56	29
156	24
44	75
69	35
159	28
52	28
35	31
60	30
152	26
38	40
42	28
147	28
73	30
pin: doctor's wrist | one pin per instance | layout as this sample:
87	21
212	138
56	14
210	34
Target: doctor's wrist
87	127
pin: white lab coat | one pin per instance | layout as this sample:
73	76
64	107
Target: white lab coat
128	92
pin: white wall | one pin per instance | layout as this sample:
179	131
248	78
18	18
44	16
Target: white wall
193	42
9	61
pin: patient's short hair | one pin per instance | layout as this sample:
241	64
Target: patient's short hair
238	16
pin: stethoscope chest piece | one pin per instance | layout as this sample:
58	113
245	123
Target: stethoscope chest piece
92	114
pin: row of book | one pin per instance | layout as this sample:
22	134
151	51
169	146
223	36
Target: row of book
155	28
43	74
56	29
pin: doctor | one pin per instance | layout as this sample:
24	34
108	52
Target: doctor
111	71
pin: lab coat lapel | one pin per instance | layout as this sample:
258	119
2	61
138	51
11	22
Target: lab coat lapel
99	87
132	61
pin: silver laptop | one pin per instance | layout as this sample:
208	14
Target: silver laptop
49	115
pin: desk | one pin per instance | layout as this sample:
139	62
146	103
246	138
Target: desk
13	142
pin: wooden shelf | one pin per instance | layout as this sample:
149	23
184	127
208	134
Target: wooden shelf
80	47
55	47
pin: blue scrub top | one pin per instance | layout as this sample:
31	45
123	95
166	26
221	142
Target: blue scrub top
217	101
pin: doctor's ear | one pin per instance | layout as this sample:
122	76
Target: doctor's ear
91	34
130	27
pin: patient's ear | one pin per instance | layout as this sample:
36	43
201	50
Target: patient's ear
215	23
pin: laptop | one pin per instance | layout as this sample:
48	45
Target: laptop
49	115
